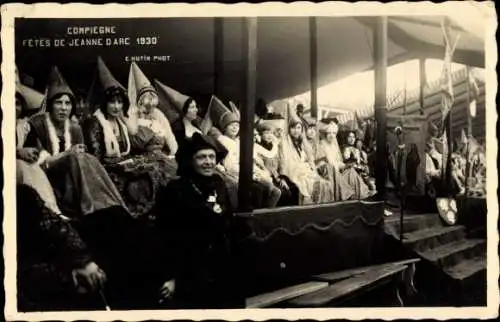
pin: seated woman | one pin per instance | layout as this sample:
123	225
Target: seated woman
357	172
27	171
137	169
197	228
84	191
297	163
289	191
80	183
227	121
187	123
329	162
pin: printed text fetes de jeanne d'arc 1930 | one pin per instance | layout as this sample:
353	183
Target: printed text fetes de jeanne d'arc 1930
91	36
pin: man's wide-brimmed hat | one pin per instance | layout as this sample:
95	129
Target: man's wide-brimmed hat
197	142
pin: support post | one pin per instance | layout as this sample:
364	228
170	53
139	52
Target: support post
247	113
423	82
313	59
218	57
380	103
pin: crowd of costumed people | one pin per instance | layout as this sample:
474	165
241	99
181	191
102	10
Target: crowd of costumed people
147	151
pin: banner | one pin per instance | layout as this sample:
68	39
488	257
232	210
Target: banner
414	135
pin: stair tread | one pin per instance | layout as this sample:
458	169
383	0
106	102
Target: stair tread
467	268
429	232
445	250
410	217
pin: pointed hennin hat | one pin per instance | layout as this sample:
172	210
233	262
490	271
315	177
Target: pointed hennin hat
171	101
220	114
57	84
105	77
32	98
138	83
103	81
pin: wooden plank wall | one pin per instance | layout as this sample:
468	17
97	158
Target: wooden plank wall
432	106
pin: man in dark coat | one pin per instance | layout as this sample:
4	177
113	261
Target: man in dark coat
196	224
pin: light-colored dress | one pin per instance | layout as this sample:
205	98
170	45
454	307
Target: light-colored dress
297	164
31	174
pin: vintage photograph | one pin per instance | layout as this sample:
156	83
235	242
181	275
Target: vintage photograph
234	162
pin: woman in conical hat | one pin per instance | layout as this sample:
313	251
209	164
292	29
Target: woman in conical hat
346	181
62	154
183	111
268	141
145	118
297	163
108	138
227	122
27	171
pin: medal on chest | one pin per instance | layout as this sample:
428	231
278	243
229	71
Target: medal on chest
211	200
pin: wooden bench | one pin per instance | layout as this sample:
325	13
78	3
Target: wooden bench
330	289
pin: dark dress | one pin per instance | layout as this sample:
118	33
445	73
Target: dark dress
138	181
197	243
48	248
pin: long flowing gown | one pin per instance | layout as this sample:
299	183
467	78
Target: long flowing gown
263	182
137	173
348	183
296	163
80	183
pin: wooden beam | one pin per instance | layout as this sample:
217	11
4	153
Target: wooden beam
247	113
313	59
218	57
380	46
423	81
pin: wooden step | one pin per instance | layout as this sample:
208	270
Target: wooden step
452	254
422	240
412	222
467	269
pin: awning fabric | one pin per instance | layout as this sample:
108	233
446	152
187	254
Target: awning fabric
345	46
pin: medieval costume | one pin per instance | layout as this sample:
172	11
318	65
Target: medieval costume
289	191
148	124
297	163
403	163
196	224
81	184
341	176
136	172
356	159
183	114
85	193
224	119
27	171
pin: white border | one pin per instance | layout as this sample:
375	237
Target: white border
465	10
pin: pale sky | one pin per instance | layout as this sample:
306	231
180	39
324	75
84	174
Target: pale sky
358	91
